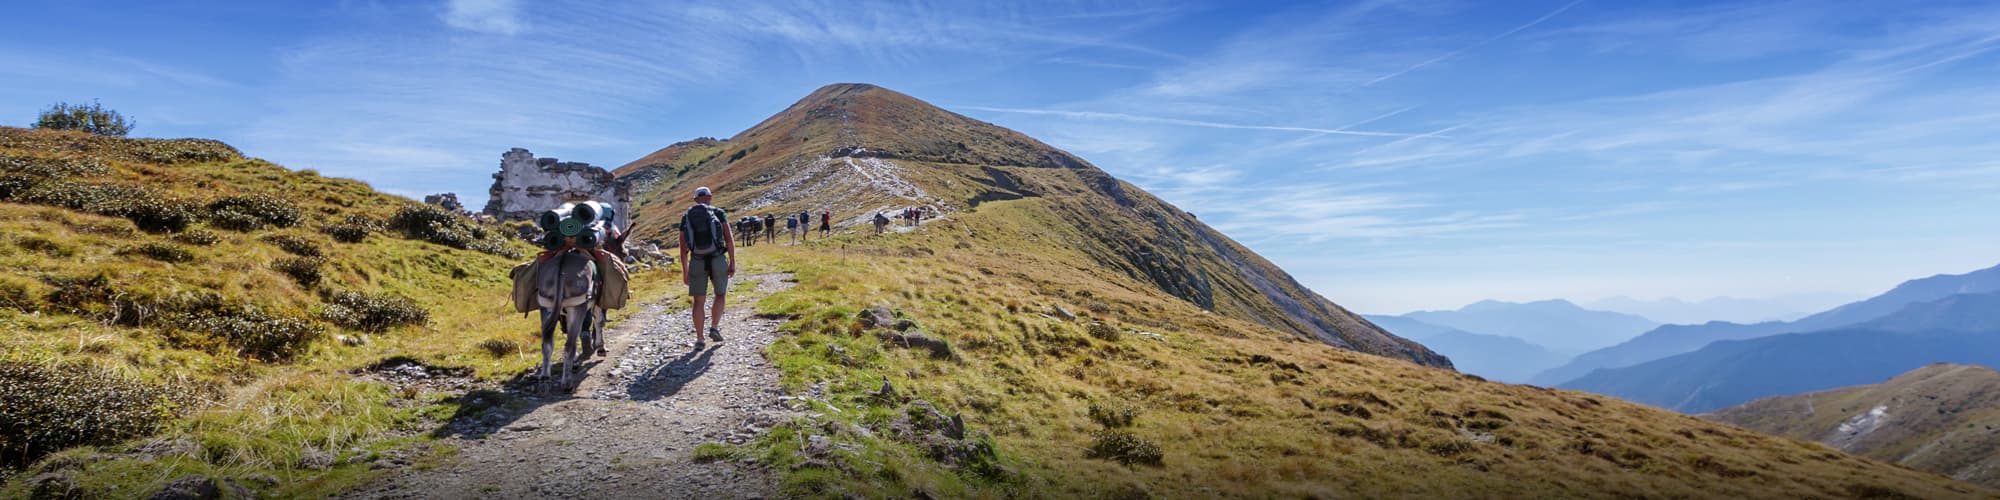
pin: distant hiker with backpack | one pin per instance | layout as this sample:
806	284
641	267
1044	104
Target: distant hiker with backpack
825	223
805	225
881	221
792	227
705	234
770	228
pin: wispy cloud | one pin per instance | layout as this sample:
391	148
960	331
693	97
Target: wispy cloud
1099	115
1474	45
500	17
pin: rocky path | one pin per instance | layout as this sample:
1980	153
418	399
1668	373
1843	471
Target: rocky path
629	429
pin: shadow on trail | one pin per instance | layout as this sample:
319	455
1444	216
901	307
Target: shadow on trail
482	412
668	379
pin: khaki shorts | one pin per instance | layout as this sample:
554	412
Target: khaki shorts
703	271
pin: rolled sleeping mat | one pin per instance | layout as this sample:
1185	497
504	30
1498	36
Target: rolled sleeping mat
591	238
552	241
593	211
551	220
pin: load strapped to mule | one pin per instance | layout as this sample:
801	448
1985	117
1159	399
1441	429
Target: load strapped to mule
584	228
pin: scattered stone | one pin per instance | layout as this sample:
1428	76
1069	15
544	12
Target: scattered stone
1060	312
875	316
904	324
917	339
313	458
189	488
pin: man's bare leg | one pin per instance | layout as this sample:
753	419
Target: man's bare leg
719	300
699	312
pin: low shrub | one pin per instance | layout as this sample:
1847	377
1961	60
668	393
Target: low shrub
150	209
253	211
437	225
163	252
373	313
1104	331
304	270
45	246
347	233
47	408
53	168
295	245
1113	417
95	119
498	348
1124	448
198	237
249	332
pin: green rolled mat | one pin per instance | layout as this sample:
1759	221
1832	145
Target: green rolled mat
552	219
572	226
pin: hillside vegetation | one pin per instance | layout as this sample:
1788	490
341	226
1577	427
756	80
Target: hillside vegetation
173	308
1942	418
1097	342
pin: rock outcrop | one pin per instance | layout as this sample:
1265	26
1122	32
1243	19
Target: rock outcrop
526	186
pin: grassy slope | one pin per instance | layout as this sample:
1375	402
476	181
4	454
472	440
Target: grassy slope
1228	421
1943	418
253	418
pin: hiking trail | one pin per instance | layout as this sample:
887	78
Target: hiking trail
630	427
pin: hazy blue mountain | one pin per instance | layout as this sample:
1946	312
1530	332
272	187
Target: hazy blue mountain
1955	329
1406	327
1495	357
1732	309
1677	339
1557	325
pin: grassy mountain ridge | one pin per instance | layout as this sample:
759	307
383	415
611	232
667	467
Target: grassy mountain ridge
1942	418
856	149
1078	349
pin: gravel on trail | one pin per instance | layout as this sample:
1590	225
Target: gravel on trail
630	427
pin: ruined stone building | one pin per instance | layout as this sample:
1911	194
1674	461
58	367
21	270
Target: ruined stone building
526	186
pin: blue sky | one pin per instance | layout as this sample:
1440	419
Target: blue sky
1392	155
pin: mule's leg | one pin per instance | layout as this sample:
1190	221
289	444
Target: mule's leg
549	319
570	334
601	341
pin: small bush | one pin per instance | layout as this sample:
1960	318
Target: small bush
373	313
94	119
1124	448
1113	418
198	237
45	246
295	245
498	348
253	211
163	252
347	233
1104	331
437	225
253	334
304	270
47	408
53	168
150	209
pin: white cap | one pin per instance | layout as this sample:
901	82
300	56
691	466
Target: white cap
701	191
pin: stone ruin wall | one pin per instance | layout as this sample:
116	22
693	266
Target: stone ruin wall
526	186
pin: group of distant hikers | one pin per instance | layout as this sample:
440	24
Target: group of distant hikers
798	226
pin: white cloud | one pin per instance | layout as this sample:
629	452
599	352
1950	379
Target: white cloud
499	17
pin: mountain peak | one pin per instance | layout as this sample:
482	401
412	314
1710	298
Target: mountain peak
864	120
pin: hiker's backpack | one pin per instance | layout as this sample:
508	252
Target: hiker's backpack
704	230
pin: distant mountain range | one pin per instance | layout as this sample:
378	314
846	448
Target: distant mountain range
1672	310
1494	357
1671	340
1942	418
1954	329
1558	325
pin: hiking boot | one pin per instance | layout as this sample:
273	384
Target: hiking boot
714	334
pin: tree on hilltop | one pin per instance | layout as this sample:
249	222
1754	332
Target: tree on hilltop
93	119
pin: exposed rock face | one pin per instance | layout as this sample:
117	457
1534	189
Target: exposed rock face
447	201
526	186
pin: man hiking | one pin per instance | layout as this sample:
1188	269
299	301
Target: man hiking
825	223
792	227
770	228
805	225
880	221
705	233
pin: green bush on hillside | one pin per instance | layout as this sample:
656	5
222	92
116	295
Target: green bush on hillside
1124	448
53	168
295	245
163	252
437	225
94	119
253	211
47	408
304	270
374	313
150	209
199	237
250	333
